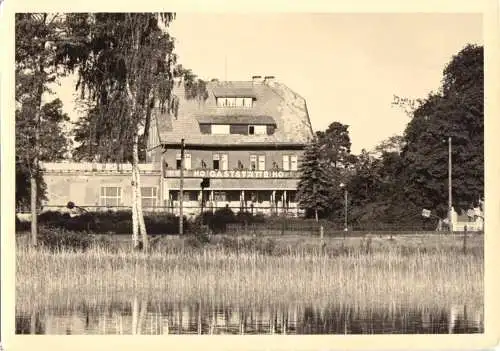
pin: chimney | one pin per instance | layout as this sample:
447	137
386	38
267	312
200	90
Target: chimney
268	79
256	79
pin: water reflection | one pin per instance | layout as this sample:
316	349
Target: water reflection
143	317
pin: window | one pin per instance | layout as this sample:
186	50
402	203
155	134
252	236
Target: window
149	195
220	162
253	162
111	196
286	163
260	130
289	162
262	162
257	130
219	196
293	163
187	161
216	163
220	129
223	158
190	195
257	162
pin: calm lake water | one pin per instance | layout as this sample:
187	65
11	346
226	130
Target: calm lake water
140	317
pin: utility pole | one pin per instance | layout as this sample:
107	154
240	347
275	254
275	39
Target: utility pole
181	192
345	213
449	186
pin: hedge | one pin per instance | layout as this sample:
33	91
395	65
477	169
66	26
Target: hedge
111	222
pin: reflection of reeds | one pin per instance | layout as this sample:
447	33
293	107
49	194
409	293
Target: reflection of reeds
298	319
386	276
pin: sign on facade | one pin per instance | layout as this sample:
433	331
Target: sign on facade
231	174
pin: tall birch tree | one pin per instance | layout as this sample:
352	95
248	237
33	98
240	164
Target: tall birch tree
126	66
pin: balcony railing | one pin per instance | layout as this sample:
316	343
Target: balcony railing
94	166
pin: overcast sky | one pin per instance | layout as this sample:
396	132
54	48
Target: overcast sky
346	66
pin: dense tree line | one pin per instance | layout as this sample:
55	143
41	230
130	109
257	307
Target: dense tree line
409	172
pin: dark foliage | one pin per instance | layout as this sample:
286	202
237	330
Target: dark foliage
111	222
61	239
410	172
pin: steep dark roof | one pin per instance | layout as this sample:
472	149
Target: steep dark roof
233	91
273	100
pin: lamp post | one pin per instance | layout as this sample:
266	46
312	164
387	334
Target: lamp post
344	186
181	192
450	224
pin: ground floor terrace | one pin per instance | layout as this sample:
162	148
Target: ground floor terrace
266	202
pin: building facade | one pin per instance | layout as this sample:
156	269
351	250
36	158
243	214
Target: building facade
247	138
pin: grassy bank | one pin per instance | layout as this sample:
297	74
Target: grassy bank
430	271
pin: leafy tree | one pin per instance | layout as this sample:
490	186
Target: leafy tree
365	181
336	144
394	143
125	64
457	112
53	146
38	135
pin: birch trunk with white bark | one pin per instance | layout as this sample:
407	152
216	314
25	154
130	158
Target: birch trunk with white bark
135	227
141	225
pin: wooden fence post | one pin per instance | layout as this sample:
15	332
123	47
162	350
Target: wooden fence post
321	236
465	239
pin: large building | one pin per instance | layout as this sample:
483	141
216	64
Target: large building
246	137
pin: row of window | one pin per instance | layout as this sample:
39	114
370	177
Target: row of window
242	102
225	129
257	162
112	196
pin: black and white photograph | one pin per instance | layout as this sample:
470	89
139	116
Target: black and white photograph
261	173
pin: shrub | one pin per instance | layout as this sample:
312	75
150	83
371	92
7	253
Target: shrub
22	226
217	221
56	239
245	216
198	234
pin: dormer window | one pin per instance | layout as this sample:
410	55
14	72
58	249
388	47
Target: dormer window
239	102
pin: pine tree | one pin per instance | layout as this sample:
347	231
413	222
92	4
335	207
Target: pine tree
316	185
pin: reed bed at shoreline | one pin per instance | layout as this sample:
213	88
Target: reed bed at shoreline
389	274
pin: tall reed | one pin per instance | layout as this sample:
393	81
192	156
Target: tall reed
392	276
